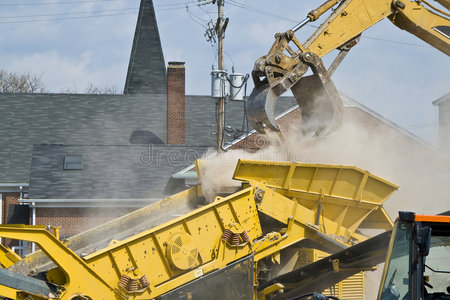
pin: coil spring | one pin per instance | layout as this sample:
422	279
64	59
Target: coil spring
133	285
144	281
227	235
123	282
245	237
235	239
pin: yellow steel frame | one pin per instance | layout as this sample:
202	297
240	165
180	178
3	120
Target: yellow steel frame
8	257
80	278
309	200
134	221
147	250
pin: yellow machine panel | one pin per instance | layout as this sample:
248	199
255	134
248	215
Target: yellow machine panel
349	196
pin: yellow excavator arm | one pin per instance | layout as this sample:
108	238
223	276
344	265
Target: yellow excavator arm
351	18
288	59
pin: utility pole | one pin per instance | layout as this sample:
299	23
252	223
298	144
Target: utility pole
220	30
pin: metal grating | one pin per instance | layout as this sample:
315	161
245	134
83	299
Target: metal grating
351	288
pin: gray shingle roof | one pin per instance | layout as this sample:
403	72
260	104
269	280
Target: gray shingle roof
74	119
108	172
77	119
146	70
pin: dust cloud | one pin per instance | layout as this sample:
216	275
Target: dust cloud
217	171
422	173
385	150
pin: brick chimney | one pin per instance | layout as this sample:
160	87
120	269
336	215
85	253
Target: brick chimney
176	103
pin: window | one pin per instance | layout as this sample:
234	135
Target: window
72	162
437	267
396	284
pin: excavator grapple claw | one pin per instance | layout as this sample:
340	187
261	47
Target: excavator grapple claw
261	108
320	103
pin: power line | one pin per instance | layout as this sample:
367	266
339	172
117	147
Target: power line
173	8
260	11
52	3
171	4
395	42
199	5
167	7
71	13
131	11
67	18
193	16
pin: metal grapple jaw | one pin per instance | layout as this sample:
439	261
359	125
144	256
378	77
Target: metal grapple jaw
320	104
261	108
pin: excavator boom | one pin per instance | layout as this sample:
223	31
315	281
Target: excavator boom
288	59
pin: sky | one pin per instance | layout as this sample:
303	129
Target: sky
74	43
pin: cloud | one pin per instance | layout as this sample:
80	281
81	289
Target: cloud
60	72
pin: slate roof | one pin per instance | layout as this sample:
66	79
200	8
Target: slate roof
146	69
75	119
108	172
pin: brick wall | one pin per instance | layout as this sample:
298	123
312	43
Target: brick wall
176	103
252	143
8	199
76	220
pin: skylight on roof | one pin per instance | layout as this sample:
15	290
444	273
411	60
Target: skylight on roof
72	162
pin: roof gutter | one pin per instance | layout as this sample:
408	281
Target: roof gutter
13	187
13	184
88	203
